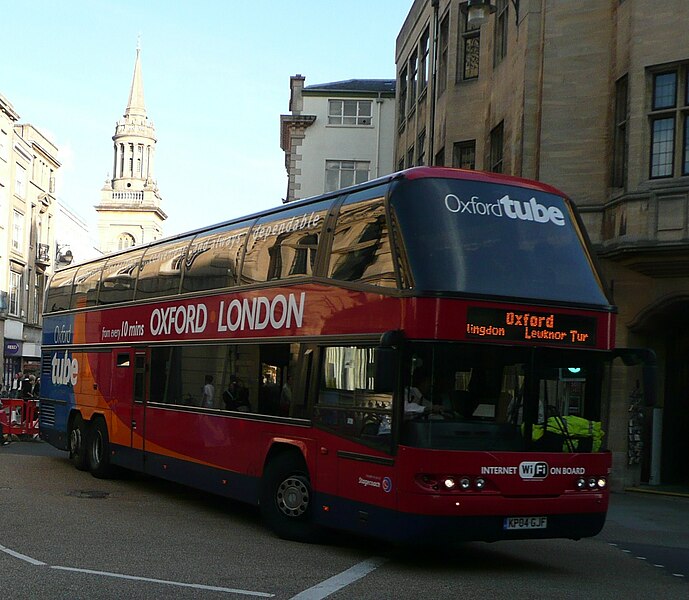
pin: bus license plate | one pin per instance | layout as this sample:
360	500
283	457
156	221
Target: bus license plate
525	523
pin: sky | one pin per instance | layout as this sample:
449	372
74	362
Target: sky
216	80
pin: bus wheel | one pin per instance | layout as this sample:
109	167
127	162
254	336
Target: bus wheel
99	449
287	499
77	444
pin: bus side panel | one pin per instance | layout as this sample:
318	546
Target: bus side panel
119	395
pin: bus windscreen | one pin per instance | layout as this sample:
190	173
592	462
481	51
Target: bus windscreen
493	239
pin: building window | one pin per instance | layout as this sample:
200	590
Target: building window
15	293
20	181
17	231
421	149
464	155
668	123
349	112
400	164
500	41
343	173
443	54
125	240
4	145
469	48
619	167
410	157
402	98
440	158
424	63
496	148
37	298
413	78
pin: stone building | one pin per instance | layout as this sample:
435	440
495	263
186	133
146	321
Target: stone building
592	97
337	134
129	212
28	167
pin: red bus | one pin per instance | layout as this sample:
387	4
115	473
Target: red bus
421	357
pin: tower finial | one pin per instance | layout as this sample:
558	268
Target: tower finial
138	41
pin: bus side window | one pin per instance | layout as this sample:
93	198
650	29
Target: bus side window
59	291
119	278
285	245
347	402
160	272
361	244
86	283
212	260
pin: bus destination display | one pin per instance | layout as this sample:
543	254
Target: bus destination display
532	327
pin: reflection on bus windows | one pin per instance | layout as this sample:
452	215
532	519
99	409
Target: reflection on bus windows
257	378
348	403
465	397
361	246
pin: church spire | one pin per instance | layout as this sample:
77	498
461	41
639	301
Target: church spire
136	105
129	211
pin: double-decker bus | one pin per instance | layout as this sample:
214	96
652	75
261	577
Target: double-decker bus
421	357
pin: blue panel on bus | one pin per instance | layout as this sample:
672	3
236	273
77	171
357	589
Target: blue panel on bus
58	330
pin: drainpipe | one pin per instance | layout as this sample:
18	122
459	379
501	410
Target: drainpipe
379	102
431	155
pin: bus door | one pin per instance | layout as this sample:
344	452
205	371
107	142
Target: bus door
139	370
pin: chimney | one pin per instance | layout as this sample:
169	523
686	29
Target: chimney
296	101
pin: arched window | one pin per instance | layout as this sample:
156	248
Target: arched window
125	240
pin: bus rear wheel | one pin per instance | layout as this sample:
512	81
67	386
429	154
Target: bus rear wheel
99	449
77	443
287	499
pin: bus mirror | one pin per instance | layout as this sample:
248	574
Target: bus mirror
392	338
386	370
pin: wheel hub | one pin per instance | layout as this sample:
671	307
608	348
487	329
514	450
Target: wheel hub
293	497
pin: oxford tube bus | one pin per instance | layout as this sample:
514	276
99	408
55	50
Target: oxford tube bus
421	357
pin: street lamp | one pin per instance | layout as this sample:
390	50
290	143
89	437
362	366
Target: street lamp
478	12
64	255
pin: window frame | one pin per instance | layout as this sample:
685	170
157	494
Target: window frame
620	139
458	148
466	37
668	105
500	32
14	297
497	148
330	168
360	119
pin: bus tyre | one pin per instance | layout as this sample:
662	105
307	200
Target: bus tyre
287	500
77	443
98	449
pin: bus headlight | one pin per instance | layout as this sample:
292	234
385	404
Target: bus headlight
449	483
581	483
602	482
480	483
464	483
592	482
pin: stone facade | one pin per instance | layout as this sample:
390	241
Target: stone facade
579	95
28	169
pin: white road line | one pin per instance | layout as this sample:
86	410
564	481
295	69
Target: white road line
337	582
23	557
677	575
197	586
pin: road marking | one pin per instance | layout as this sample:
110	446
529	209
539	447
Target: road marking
197	586
337	582
23	557
677	575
